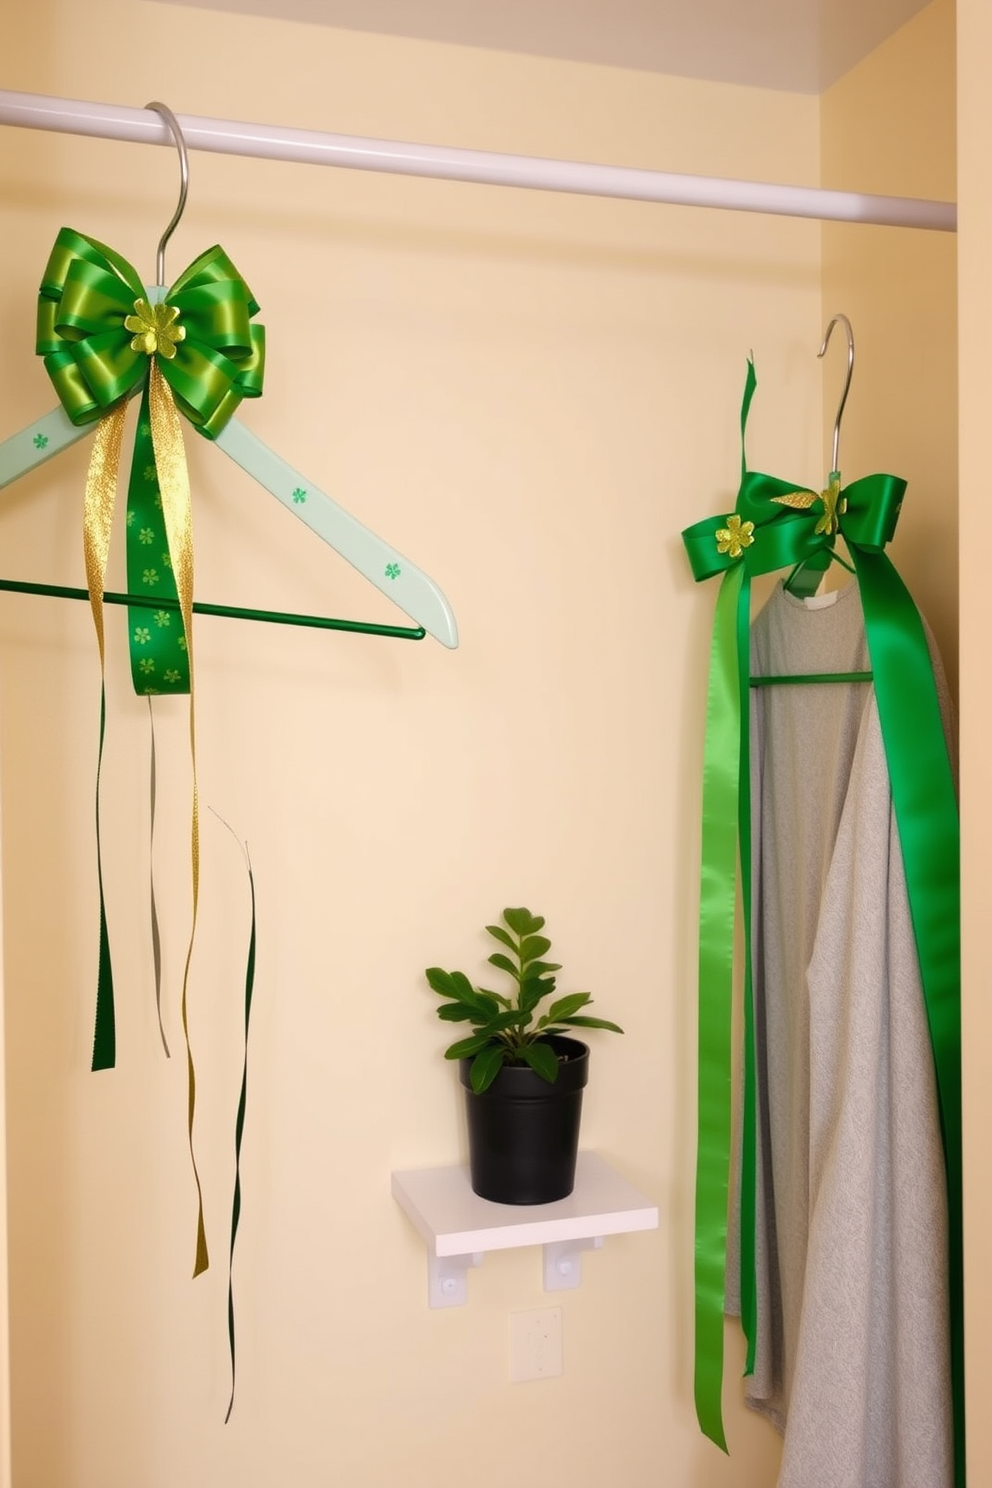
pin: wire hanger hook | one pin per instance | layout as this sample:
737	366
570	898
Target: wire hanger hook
180	143
835	457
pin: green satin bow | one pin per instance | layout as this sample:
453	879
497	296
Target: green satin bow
210	353
777	525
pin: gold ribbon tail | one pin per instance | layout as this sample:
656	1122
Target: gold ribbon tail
98	510
98	517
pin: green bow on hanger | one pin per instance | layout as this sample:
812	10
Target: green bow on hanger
201	336
194	352
776	525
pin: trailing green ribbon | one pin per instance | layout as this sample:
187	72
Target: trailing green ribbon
239	1130
777	525
191	350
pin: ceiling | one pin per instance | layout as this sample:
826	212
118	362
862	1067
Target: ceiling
801	46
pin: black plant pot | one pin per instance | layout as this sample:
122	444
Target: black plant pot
523	1133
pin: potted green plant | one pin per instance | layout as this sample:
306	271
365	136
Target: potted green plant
523	1074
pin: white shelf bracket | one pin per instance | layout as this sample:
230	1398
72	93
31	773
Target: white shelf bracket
459	1227
447	1279
563	1262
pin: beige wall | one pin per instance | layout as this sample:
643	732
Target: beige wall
930	408
975	331
889	127
530	396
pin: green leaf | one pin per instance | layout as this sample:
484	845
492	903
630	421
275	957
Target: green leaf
463	987
490	1005
592	1023
465	1048
510	1019
503	1001
567	1007
503	937
456	1012
456	985
542	1060
532	989
539	968
485	1067
452	984
533	946
522	922
504	963
440	981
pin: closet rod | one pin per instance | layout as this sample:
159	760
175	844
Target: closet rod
226	137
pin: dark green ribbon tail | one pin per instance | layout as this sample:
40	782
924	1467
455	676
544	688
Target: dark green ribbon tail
928	824
105	1024
721	785
726	836
238	1135
749	1119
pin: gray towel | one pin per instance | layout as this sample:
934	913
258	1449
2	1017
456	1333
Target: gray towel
853	1360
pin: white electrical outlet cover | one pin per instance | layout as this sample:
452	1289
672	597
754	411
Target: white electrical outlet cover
535	1344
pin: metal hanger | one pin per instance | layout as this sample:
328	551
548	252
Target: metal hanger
843	320
180	142
806	679
391	572
805	578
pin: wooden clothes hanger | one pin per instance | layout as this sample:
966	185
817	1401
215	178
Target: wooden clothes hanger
413	591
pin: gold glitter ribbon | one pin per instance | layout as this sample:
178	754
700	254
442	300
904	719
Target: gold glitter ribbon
100	500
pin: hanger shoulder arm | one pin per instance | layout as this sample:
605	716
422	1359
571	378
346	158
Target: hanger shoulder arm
396	576
38	442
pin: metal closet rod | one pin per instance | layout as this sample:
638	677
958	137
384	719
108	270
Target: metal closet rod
267	142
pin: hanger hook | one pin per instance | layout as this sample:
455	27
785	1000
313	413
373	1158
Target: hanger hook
180	143
835	458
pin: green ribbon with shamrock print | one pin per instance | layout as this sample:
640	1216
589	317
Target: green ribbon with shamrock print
157	638
776	525
193	351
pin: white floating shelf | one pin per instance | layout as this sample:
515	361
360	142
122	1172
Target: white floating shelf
459	1227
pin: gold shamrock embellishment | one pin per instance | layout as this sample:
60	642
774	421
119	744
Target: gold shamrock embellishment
735	537
155	329
834	505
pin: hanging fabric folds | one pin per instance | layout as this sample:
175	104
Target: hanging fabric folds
777	525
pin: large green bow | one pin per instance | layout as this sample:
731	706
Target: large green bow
97	332
777	525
